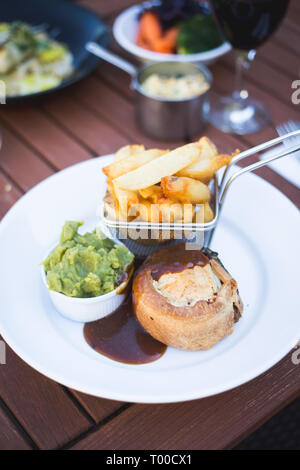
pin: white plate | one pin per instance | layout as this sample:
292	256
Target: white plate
258	239
125	30
288	168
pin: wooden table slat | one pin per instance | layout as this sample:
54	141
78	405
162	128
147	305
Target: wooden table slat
93	132
98	408
288	37
216	422
9	194
22	165
294	9
10	437
105	8
118	112
41	406
111	75
45	136
271	51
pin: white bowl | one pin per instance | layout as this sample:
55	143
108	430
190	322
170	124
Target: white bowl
87	309
125	30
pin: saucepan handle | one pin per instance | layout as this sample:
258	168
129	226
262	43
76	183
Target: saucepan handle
113	59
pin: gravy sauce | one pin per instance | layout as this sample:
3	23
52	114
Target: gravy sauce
120	337
174	260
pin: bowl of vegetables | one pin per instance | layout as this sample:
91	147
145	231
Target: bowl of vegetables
175	30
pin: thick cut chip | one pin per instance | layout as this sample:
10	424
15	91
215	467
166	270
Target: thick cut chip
203	213
183	189
208	213
154	171
127	164
128	150
124	199
167	211
208	148
204	170
152	193
207	164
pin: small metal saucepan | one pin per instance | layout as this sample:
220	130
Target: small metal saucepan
161	118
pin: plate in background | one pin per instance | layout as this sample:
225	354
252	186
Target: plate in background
75	25
125	30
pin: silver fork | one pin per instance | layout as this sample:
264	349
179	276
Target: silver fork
286	128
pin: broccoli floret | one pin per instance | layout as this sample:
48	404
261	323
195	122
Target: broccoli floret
198	34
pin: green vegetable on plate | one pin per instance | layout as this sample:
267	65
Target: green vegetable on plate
198	34
86	265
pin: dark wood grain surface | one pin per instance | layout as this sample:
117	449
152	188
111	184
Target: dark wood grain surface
10	437
93	118
217	422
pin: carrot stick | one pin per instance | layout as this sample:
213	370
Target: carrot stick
172	34
167	43
144	44
150	28
139	36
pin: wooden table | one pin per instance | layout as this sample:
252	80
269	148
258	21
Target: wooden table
96	117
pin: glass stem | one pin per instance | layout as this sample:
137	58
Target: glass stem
242	64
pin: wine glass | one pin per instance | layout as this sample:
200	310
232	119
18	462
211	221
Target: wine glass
246	24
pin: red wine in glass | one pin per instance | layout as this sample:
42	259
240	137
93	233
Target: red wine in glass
246	24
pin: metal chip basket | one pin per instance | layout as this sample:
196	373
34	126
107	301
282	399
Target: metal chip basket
201	233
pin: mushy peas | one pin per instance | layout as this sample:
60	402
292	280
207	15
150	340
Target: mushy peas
86	265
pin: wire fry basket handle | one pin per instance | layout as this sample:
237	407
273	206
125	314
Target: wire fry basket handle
226	182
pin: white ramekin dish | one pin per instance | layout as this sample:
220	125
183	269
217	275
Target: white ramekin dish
125	31
88	309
